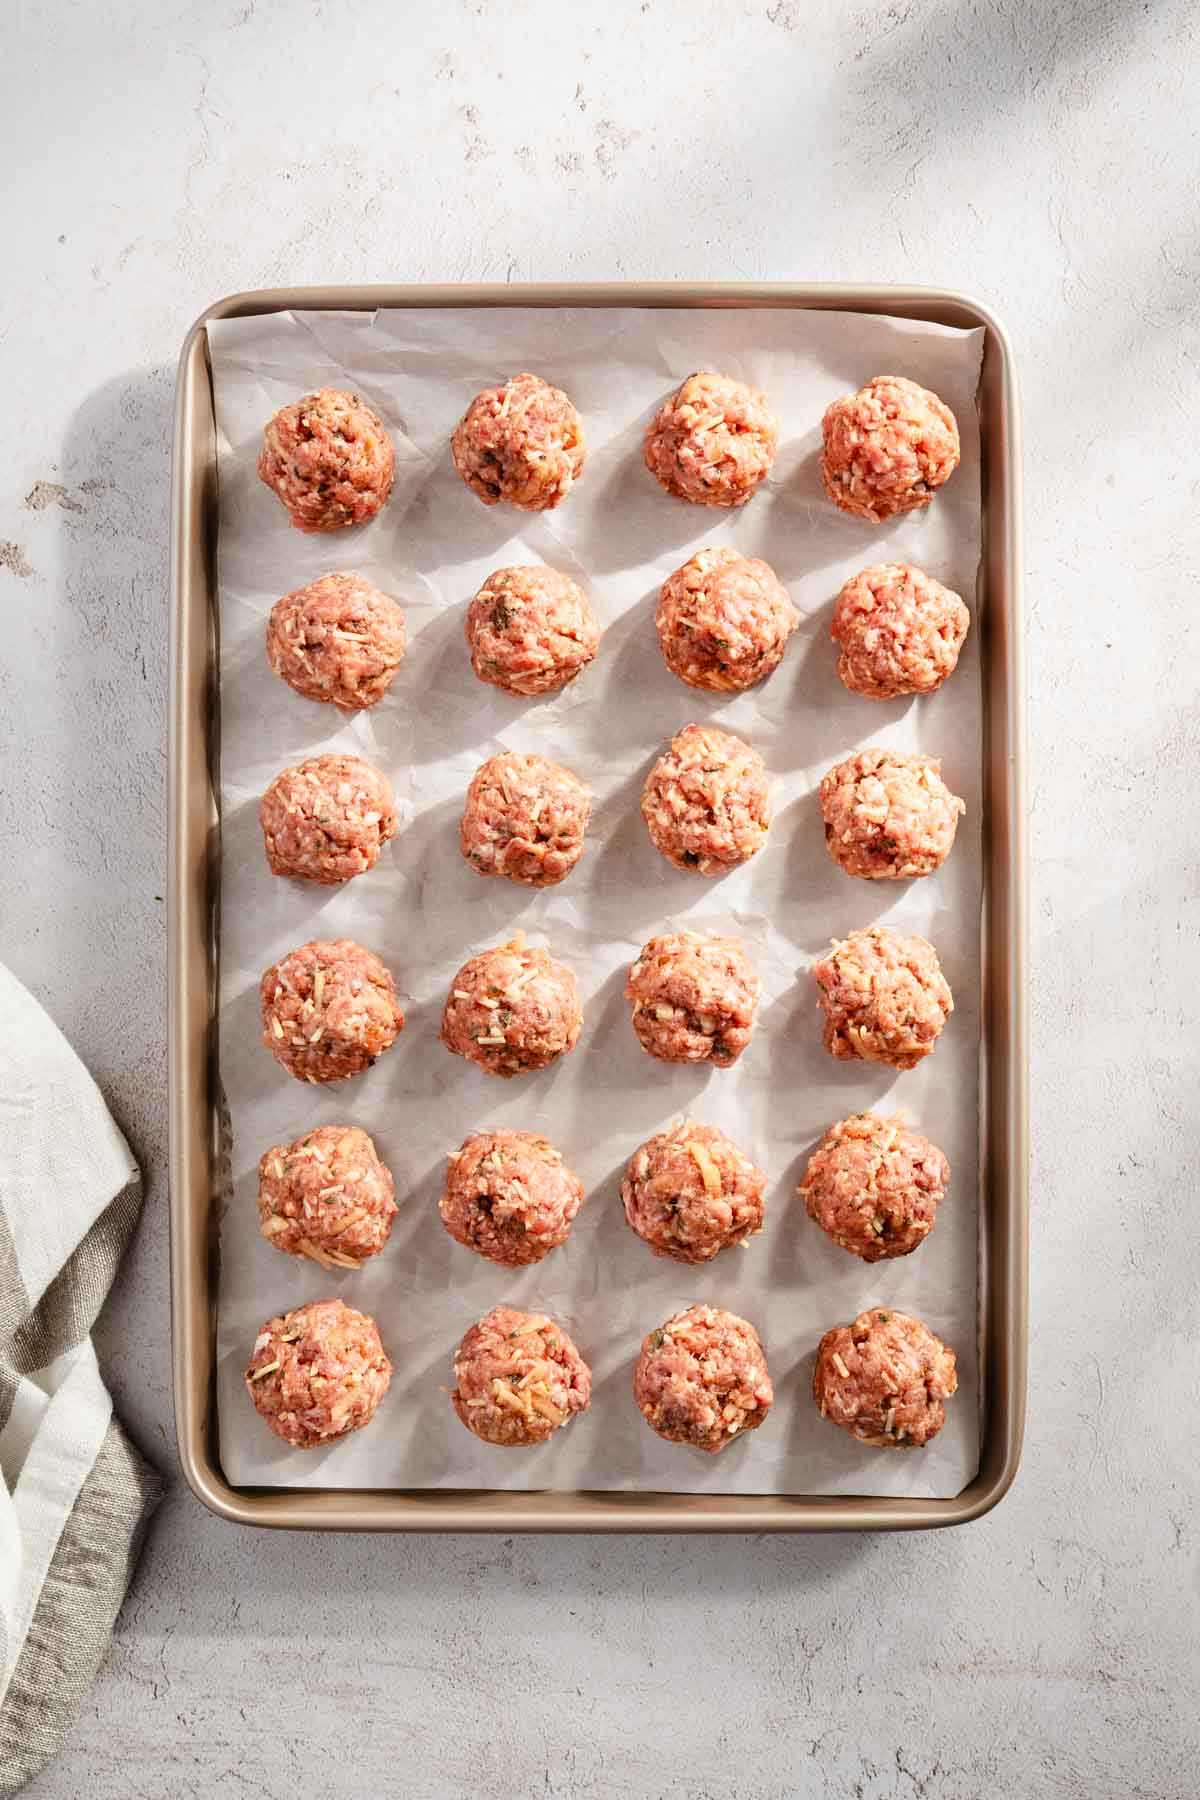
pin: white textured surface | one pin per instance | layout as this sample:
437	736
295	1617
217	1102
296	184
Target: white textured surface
1041	154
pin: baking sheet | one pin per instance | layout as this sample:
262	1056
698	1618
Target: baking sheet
425	911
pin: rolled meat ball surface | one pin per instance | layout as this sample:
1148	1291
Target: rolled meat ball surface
509	1196
887	449
512	1009
338	640
712	441
724	620
525	819
521	443
707	801
884	997
327	819
327	1197
888	816
885	1379
530	630
317	1373
899	631
693	998
690	1193
518	1378
874	1186
329	459
329	1009
702	1379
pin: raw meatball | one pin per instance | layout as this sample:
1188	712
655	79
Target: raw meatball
329	459
712	441
509	1196
317	1373
724	620
888	816
328	1010
899	631
518	1378
690	1193
885	1379
525	818
512	1009
339	639
707	801
693	998
327	819
702	1378
530	630
522	443
327	1197
884	997
888	448
875	1186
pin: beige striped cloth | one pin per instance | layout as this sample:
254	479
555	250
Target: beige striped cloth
75	1495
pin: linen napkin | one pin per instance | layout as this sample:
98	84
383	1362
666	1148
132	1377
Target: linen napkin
75	1496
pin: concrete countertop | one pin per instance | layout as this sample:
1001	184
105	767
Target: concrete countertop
1040	155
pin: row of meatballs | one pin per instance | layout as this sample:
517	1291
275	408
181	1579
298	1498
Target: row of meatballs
689	1193
329	1008
886	449
723	621
706	803
701	1378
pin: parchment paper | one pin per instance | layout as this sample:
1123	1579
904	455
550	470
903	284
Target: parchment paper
425	911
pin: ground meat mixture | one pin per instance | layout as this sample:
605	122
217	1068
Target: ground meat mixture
512	1009
690	1193
530	630
509	1196
329	459
338	640
874	1186
888	816
702	1378
327	1197
522	443
525	818
884	997
885	1379
707	801
693	998
712	441
327	819
518	1378
724	620
899	631
328	1010
888	448
317	1373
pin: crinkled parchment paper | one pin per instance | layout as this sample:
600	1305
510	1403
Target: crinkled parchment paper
425	911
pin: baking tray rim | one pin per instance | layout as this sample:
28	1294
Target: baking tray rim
191	961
